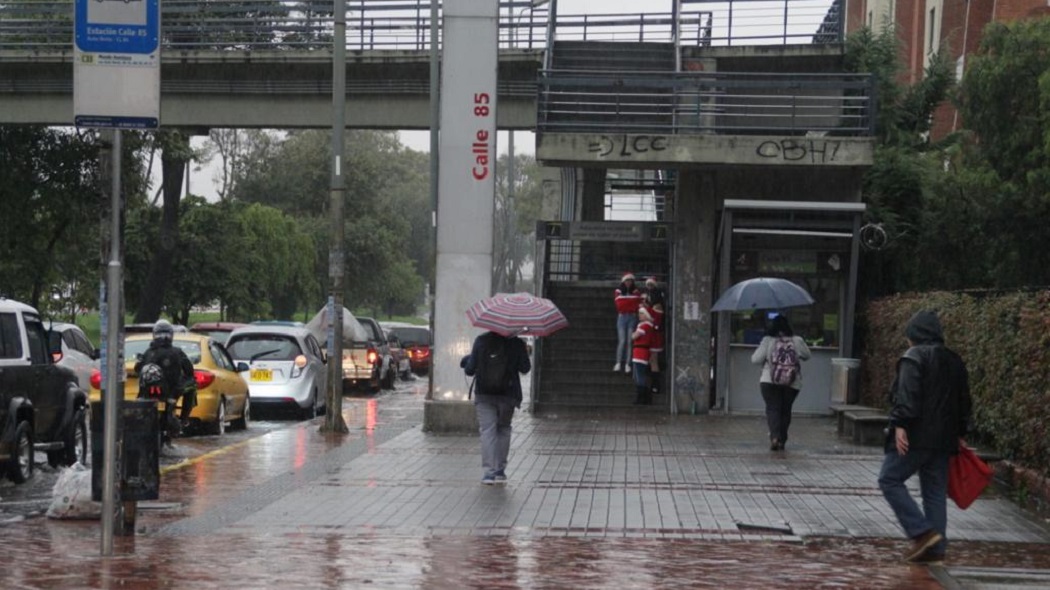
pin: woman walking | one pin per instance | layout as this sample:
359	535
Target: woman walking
780	353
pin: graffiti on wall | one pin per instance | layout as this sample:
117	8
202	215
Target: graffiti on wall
626	146
822	151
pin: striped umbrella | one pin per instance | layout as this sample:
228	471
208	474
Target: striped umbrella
513	314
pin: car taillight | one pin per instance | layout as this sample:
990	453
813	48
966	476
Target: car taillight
372	356
300	361
410	353
56	356
96	379
204	378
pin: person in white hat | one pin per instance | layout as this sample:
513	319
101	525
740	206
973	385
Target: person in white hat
627	298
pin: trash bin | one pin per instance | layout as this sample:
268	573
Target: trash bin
140	477
844	379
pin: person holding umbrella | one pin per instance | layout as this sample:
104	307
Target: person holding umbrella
779	354
496	361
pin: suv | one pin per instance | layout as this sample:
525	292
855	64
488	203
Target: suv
42	408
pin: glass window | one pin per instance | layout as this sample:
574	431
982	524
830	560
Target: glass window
135	348
38	342
271	347
412	336
817	324
10	337
83	345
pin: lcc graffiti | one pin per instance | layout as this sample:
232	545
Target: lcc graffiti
627	145
794	150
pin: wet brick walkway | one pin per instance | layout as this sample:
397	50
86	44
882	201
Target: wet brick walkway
621	500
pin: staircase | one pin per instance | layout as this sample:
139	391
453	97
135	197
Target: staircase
584	94
576	363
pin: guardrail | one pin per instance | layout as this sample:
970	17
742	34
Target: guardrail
738	103
46	25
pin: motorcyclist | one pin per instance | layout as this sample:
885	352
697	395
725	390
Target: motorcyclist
176	368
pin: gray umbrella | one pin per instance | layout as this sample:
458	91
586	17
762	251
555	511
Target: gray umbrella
762	293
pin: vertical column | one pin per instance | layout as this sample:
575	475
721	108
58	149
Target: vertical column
694	251
466	191
592	207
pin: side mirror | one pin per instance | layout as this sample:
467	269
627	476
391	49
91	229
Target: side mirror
242	367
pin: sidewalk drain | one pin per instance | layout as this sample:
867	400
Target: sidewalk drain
765	528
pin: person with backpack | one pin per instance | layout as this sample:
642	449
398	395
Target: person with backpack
780	353
496	363
176	370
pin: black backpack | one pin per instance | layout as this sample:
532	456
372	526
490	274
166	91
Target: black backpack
492	372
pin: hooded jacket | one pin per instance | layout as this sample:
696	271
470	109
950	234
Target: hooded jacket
931	394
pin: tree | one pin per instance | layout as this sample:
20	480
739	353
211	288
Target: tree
235	149
514	221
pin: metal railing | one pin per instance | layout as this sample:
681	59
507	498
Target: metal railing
739	103
46	25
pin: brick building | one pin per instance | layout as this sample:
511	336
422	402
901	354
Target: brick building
925	26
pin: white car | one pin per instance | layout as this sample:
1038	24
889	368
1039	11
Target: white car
78	354
285	366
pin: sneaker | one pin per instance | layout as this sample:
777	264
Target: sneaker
627	368
930	558
922	544
488	480
500	477
617	367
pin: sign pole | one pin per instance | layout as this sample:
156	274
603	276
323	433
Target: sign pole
114	391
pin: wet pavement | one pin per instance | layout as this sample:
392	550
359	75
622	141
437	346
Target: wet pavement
623	499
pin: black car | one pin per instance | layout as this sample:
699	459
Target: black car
42	407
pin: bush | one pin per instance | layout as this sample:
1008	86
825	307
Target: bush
1005	341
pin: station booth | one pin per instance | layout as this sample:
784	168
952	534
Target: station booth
816	246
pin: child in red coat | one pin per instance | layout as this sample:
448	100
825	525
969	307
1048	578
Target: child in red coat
643	341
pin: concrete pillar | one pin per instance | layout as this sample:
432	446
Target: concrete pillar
695	225
592	206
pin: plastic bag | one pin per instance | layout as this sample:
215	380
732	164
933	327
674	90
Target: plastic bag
967	477
71	496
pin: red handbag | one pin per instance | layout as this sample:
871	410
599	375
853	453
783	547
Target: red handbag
968	475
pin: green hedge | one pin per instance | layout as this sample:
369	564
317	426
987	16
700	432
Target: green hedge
1005	341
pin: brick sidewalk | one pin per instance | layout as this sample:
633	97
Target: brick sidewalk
652	500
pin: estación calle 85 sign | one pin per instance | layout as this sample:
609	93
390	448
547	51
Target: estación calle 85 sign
116	67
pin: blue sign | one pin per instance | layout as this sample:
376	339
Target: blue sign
117	26
102	121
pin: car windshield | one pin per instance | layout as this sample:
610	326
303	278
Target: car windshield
412	336
134	348
220	336
271	347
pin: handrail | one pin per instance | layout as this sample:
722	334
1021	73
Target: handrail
46	25
706	102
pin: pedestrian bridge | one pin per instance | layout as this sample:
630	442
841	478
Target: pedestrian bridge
269	64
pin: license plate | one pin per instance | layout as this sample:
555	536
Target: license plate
261	375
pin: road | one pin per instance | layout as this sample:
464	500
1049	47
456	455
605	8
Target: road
31	499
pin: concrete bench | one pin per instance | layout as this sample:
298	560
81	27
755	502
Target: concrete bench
866	427
840	413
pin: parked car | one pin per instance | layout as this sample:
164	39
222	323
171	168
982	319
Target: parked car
284	366
222	395
416	342
398	353
42	408
71	349
218	331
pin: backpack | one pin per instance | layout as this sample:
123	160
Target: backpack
492	372
783	362
152	384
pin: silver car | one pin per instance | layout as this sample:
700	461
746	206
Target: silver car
78	354
286	367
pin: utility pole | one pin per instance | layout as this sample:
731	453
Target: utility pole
435	115
333	420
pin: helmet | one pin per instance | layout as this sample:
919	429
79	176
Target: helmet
163	330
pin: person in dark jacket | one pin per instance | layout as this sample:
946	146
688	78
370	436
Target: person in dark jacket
174	364
930	416
495	409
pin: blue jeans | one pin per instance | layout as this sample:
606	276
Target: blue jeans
932	467
640	372
494	416
625	325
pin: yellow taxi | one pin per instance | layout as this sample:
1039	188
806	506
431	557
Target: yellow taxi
222	394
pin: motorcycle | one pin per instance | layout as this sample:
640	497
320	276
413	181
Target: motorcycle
153	387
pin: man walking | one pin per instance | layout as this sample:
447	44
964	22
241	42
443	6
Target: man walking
495	362
930	415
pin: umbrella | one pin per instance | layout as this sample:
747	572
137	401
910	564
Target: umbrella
353	331
511	314
762	293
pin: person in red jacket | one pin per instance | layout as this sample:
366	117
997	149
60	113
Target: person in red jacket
654	304
642	339
627	298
